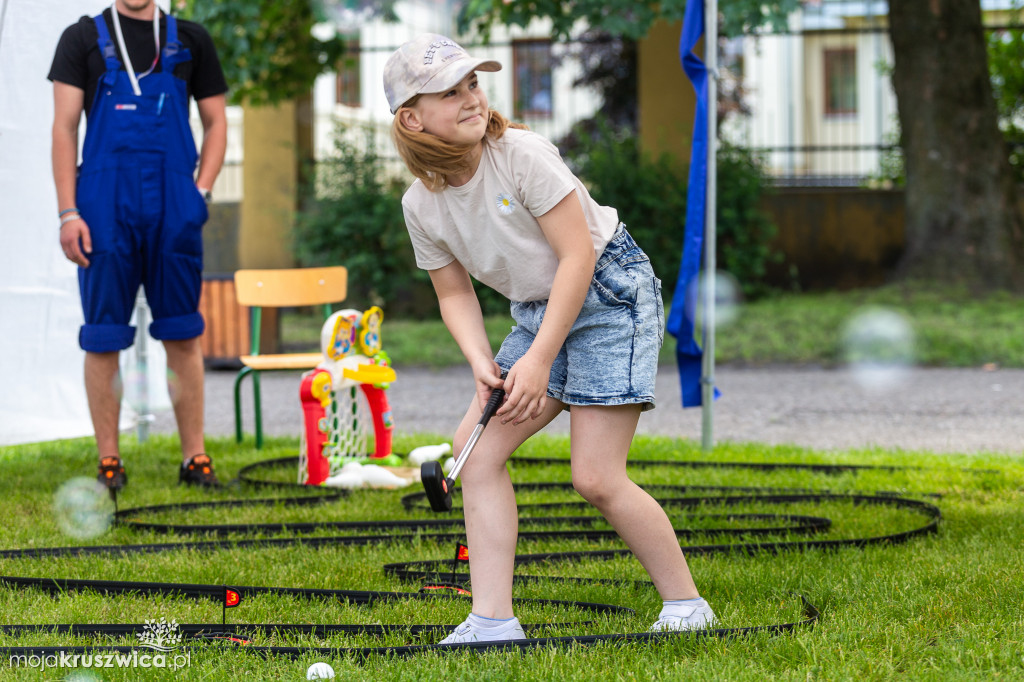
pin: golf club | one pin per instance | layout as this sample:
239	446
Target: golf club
439	488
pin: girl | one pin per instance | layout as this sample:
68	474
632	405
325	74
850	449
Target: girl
495	202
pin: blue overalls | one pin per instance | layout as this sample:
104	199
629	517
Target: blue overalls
137	194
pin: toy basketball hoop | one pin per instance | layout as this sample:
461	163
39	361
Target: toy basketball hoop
343	398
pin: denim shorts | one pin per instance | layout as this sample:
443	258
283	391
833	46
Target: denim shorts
610	356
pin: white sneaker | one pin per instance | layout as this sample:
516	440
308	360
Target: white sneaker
678	618
469	632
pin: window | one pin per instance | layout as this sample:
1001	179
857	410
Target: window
840	82
533	96
347	86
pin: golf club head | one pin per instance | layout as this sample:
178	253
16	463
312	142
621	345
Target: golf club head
437	487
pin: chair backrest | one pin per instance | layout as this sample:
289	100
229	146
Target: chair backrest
291	287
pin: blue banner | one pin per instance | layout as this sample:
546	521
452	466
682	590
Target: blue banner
682	315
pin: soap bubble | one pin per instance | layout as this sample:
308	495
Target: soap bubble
728	297
83	508
878	348
143	394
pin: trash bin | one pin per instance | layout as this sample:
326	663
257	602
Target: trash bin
227	323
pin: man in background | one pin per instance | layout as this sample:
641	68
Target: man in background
133	213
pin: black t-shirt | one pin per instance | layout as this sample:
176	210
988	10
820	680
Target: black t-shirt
78	60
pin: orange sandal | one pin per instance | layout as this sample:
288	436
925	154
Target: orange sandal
198	470
111	473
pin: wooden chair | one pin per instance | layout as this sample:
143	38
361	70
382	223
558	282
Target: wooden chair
293	287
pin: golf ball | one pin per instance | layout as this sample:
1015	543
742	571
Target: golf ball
320	671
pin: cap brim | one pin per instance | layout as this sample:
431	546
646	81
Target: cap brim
450	76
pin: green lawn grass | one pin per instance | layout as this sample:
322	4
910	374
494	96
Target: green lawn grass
945	606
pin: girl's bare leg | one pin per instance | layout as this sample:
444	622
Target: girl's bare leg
492	519
601	436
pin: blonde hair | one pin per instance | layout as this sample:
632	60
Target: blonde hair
434	160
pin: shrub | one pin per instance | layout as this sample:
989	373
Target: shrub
354	218
744	231
650	194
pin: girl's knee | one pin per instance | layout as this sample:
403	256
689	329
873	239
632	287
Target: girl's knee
593	487
486	462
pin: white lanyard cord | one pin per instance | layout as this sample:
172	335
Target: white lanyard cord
124	50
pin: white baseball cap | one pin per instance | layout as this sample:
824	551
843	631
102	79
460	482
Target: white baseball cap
428	63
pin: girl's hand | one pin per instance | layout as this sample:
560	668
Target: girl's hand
487	377
526	389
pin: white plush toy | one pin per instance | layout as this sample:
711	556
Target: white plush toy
429	453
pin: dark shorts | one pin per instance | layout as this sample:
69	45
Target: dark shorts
146	228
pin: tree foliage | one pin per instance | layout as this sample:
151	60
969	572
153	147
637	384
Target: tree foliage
268	47
627	18
1006	64
355	217
608	65
644	188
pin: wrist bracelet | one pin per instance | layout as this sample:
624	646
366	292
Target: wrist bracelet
66	211
67	219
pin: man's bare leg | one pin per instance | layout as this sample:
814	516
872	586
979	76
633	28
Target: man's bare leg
103	390
185	360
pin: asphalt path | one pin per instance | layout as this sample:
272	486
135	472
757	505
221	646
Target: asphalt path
939	410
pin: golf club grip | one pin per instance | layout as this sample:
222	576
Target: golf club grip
497	395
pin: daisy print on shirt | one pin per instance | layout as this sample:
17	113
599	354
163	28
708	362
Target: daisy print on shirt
506	204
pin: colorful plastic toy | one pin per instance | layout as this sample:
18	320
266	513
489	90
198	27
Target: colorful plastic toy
335	417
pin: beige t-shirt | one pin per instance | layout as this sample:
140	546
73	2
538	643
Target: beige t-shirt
490	224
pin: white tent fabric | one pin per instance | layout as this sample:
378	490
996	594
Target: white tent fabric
42	396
